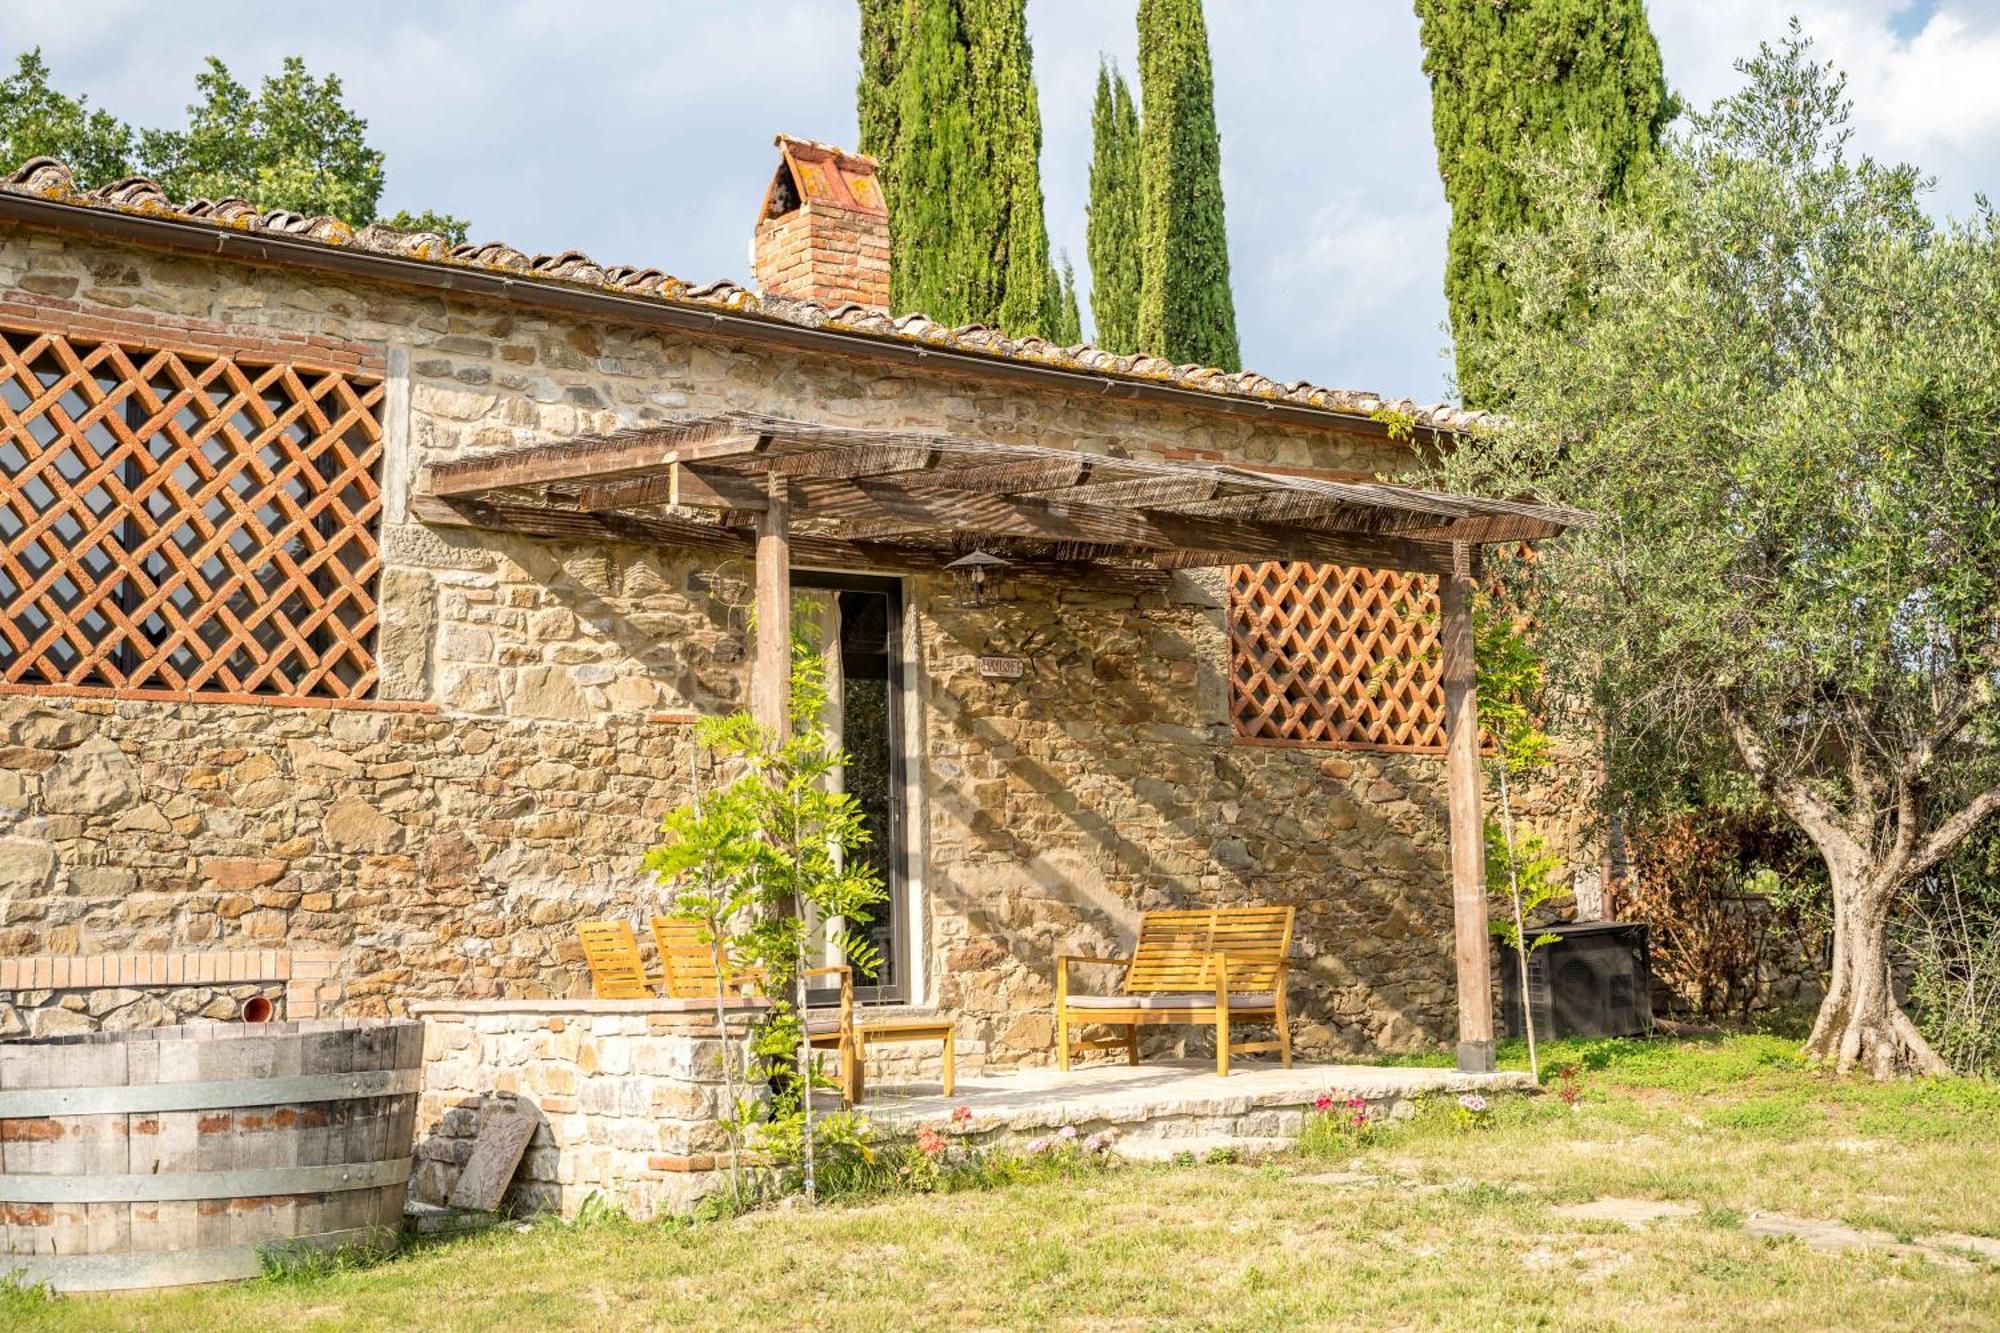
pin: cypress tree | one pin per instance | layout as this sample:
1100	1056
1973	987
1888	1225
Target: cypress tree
1185	309
1067	328
882	25
1113	212
1511	79
968	243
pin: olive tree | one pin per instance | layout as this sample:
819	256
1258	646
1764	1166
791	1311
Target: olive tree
1777	385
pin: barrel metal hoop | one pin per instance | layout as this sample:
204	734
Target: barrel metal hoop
174	1268
16	1103
251	1183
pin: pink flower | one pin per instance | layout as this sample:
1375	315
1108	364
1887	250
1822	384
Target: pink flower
929	1142
1323	1102
961	1116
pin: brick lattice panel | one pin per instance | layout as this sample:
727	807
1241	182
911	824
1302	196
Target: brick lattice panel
1335	655
201	523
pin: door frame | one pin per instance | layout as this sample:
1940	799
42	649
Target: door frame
904	901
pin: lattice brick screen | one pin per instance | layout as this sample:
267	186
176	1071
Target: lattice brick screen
1335	655
186	522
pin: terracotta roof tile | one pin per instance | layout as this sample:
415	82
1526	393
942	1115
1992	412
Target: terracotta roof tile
51	179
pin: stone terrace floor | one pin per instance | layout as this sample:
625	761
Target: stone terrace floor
1164	1106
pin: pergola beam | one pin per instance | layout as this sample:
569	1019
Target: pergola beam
628	453
808	552
684	484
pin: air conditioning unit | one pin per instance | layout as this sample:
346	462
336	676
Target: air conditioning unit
1592	980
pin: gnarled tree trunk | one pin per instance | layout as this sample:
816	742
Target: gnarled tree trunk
1870	861
1860	1024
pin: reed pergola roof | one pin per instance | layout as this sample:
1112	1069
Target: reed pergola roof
865	498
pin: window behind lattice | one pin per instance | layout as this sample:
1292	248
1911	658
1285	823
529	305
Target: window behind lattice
1335	655
187	522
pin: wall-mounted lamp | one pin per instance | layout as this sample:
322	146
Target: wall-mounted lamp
973	573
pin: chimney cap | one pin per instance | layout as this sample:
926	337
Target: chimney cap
817	173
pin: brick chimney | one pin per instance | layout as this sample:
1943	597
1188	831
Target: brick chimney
823	233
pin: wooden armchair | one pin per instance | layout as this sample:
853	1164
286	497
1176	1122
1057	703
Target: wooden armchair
612	954
1217	965
689	964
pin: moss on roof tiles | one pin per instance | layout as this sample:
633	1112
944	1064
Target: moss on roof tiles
50	179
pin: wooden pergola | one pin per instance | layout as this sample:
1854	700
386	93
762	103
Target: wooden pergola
808	495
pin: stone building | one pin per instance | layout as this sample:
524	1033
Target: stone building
269	725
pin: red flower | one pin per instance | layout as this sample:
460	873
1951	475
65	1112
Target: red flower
1323	1102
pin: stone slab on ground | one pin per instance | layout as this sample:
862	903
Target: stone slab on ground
428	1219
1634	1213
503	1137
1838	1238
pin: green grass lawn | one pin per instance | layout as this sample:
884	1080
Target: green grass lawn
1423	1225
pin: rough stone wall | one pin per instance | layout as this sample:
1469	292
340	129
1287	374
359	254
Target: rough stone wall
443	856
1107	781
540	693
626	1096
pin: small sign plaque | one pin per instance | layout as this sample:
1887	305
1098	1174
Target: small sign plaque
1002	668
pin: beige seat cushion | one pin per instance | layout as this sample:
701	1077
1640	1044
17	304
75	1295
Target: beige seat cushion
1190	1000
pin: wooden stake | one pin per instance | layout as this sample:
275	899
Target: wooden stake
1468	833
771	676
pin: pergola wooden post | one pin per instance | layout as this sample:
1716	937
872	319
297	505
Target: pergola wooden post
861	498
771	672
1468	823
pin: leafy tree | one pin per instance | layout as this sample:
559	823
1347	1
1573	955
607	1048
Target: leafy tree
1520	870
1186	312
968	243
38	121
1778	395
453	229
753	862
294	144
1113	231
1514	78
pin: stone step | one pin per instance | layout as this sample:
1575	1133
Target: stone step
1166	1148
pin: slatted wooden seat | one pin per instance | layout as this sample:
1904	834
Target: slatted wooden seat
688	962
1217	965
689	965
612	953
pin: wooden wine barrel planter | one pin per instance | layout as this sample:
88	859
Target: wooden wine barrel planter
177	1155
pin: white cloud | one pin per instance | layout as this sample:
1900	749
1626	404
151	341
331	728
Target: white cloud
1924	78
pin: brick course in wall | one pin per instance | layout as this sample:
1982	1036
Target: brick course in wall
51	995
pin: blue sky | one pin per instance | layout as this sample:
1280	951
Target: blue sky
640	132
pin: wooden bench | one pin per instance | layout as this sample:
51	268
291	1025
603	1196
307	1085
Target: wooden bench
690	966
1217	965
